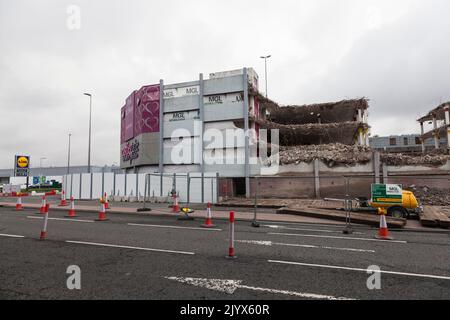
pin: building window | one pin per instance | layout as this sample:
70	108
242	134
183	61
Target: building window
405	141
418	140
392	141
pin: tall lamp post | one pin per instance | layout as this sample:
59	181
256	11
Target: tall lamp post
40	170
68	156
90	121
265	70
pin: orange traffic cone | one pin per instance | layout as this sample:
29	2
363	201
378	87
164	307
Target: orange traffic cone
106	201
102	213
176	206
43	205
72	213
63	202
383	233
208	222
19	204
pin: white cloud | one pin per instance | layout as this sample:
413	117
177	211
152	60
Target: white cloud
394	52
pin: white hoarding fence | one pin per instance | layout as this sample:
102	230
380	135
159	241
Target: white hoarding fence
190	188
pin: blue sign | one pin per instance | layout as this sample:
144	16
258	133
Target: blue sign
35	180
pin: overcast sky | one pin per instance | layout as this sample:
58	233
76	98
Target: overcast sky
396	53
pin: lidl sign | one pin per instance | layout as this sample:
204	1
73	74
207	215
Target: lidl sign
387	194
22	166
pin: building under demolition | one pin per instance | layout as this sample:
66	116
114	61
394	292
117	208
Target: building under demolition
344	122
439	118
157	119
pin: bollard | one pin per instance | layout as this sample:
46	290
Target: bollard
19	206
43	205
231	235
44	229
72	213
208	222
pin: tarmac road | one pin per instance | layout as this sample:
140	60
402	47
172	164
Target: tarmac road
144	257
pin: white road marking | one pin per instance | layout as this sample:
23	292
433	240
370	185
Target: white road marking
270	243
302	229
128	247
62	219
230	286
171	227
361	270
334	237
10	235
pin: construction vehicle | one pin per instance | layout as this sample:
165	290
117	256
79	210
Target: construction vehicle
410	206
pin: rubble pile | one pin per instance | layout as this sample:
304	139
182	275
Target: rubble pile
340	154
399	159
430	196
331	154
314	133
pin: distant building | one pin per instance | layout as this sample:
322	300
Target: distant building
411	143
439	118
5	174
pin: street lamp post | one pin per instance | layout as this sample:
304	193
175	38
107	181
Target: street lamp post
265	70
90	121
40	170
68	156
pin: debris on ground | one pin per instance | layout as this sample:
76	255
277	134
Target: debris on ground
400	159
340	154
430	196
331	154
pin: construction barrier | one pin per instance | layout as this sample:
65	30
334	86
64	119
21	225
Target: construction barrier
51	193
208	222
72	213
231	254
19	206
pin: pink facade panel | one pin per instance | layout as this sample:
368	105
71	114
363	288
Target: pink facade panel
122	125
128	118
146	113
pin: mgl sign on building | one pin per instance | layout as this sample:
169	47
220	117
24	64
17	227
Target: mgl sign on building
390	194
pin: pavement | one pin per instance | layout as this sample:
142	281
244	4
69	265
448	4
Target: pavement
136	256
159	209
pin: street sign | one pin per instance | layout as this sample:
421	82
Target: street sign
22	166
387	194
